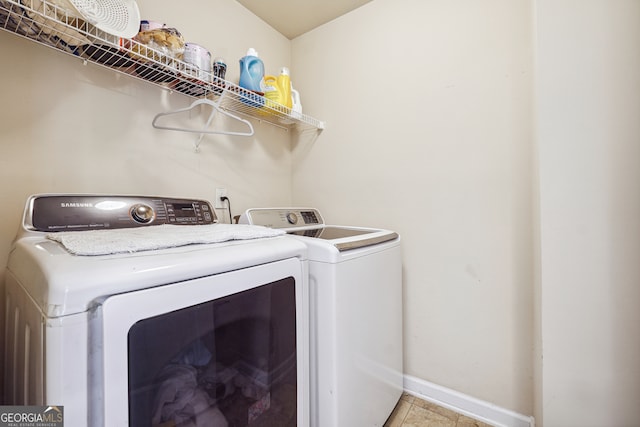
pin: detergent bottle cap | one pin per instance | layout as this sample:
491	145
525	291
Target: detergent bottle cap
252	52
285	71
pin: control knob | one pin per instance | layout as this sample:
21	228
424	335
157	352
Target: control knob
292	218
142	214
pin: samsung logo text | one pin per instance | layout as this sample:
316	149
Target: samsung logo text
75	205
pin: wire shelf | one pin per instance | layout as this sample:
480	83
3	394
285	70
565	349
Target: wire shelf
52	23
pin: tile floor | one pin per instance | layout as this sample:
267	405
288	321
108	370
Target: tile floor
414	412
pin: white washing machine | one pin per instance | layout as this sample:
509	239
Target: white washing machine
120	314
355	279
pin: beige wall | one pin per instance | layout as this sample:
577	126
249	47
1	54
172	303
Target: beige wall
520	225
588	72
429	132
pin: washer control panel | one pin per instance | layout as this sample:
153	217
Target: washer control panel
95	212
283	217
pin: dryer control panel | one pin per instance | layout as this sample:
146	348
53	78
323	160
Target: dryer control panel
283	217
95	212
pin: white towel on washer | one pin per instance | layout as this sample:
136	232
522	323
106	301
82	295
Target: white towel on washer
123	240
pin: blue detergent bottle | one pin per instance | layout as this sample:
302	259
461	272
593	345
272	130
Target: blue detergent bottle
251	76
251	71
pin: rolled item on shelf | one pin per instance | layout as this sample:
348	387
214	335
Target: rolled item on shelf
156	51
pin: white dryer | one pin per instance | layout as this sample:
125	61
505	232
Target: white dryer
124	316
355	280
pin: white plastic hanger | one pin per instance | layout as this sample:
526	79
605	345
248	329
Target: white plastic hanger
205	130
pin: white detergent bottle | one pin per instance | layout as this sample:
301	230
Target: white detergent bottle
296	107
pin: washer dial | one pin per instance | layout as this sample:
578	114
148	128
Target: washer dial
142	214
292	218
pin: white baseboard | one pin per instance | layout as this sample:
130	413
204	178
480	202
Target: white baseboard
466	405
